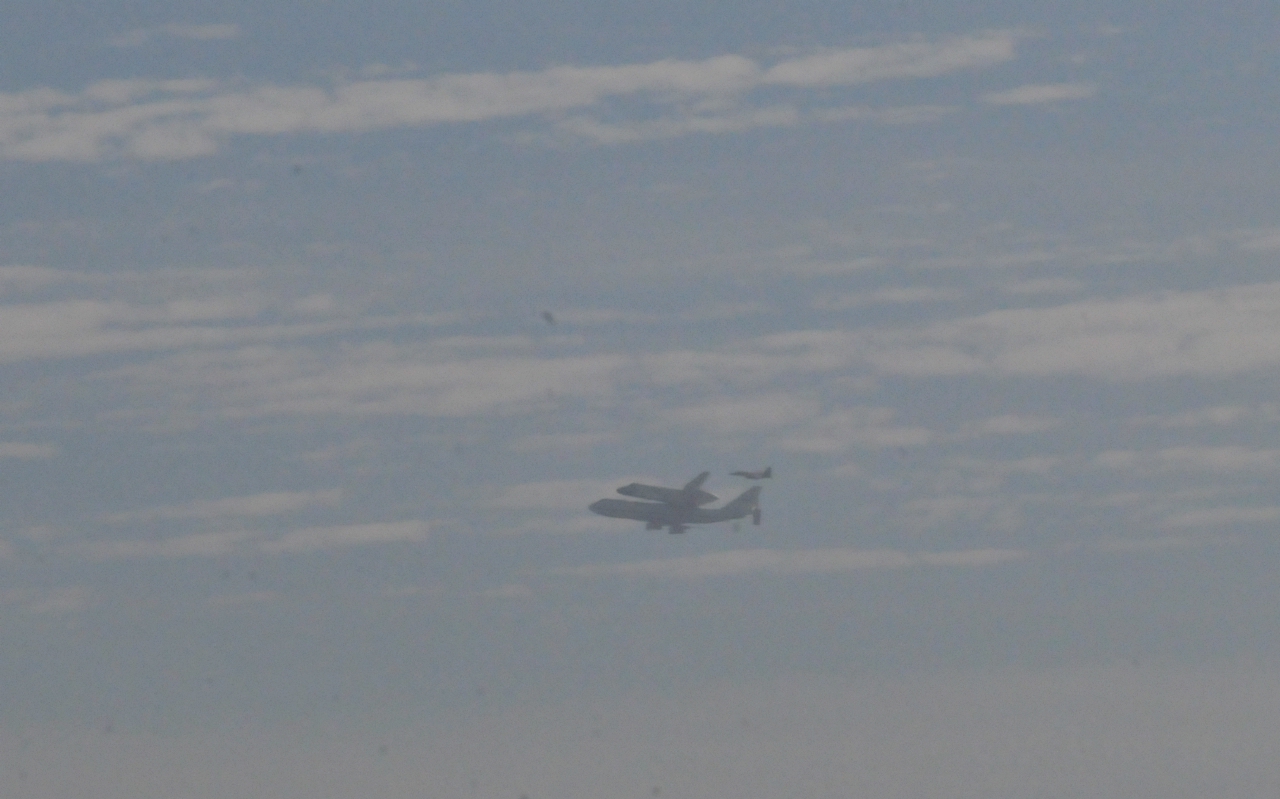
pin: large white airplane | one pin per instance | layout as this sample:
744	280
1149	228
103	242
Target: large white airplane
678	515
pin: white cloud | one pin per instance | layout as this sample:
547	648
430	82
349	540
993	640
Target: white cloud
752	415
184	546
319	538
20	278
566	495
890	115
1215	332
1218	517
58	601
169	119
178	30
918	59
1223	460
27	451
1261	241
1036	94
223	543
897	295
1166	543
264	504
1046	285
667	128
1014	424
1218	415
947	509
562	442
243	598
384	378
515	591
74	328
793	562
844	429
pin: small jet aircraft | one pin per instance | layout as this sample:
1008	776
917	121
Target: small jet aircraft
691	496
768	472
678	517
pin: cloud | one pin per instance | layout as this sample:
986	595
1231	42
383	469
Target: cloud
917	59
171	119
227	542
844	429
240	599
1211	333
27	451
184	546
58	601
889	115
1219	517
946	510
70	328
265	504
1218	415
557	495
897	295
1046	285
1167	543
75	328
752	415
384	378
793	562
1013	424
177	30
1223	460
1261	241
1038	94
21	278
562	442
320	538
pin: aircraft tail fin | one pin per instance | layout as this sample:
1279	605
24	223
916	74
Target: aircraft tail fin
696	483
744	503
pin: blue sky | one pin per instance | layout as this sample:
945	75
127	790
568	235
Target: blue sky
297	472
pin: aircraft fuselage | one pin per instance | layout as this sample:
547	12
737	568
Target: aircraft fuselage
661	514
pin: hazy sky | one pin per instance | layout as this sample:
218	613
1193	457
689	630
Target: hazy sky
296	472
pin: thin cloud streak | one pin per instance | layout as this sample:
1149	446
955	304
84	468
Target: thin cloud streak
264	504
314	539
1212	333
174	119
22	450
794	562
178	30
308	539
1039	94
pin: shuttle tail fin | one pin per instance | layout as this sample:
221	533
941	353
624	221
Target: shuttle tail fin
743	504
696	483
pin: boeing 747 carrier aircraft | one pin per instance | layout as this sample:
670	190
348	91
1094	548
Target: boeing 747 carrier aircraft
677	508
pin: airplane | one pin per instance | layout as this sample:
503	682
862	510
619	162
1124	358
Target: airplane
768	472
657	515
691	496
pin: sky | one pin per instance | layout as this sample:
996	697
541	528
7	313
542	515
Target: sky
319	332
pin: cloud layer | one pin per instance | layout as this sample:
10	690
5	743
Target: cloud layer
170	119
